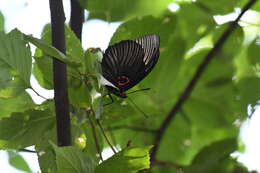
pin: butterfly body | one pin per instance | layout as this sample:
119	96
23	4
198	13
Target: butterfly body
126	63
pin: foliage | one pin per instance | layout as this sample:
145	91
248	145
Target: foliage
17	161
129	160
200	138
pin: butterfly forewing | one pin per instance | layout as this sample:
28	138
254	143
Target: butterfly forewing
119	60
151	45
126	63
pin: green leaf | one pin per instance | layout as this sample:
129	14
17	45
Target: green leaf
10	85
253	51
256	6
43	70
17	161
46	156
48	49
84	87
24	129
234	40
79	96
15	53
117	112
246	63
117	10
189	27
74	58
214	158
92	60
91	146
129	160
2	22
181	131
190	138
249	90
74	50
15	104
71	159
139	27
73	45
210	109
83	3
217	7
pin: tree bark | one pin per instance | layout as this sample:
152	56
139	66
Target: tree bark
60	75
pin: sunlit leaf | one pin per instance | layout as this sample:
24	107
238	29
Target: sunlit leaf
189	27
217	7
15	104
15	53
17	161
116	10
10	85
27	128
214	158
129	160
256	6
46	156
2	22
71	159
253	51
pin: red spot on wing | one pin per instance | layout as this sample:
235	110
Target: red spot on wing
122	80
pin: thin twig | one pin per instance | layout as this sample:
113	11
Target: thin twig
113	139
186	93
26	150
95	137
104	134
132	128
38	94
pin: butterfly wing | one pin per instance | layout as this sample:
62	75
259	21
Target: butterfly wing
150	45
128	62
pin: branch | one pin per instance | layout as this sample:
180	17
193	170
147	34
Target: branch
76	18
187	91
59	75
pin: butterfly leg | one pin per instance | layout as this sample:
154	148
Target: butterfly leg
111	100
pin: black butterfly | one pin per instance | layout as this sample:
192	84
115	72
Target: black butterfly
126	63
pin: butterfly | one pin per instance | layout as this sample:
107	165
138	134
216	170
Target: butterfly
126	63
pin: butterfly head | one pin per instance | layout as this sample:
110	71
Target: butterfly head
122	94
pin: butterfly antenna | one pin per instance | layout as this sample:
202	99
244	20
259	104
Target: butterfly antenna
144	89
137	107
